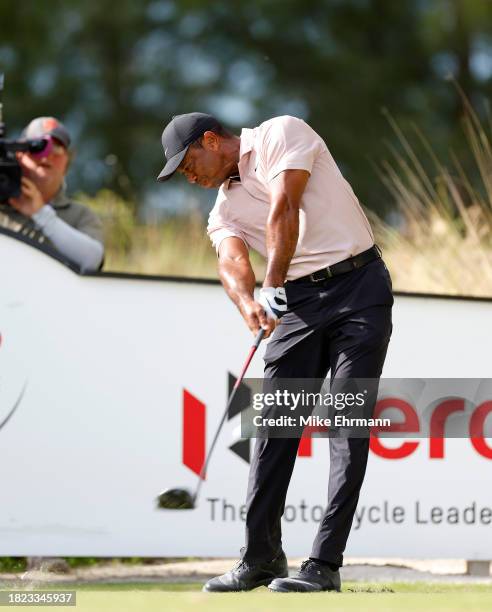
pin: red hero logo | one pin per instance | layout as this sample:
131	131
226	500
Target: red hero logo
194	431
440	414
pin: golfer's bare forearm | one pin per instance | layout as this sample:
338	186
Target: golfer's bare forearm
282	234
282	231
238	279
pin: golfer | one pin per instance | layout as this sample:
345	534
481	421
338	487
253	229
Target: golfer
326	302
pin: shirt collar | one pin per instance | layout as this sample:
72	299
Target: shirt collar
245	146
247	140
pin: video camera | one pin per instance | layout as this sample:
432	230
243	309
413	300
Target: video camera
10	170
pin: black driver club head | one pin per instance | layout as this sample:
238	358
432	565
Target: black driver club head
176	499
183	499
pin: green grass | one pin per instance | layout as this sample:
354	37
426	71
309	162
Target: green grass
394	597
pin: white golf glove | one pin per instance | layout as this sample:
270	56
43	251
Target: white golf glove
274	301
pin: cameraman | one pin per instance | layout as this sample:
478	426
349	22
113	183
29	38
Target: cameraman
72	229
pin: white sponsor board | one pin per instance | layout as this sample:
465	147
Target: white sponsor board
102	364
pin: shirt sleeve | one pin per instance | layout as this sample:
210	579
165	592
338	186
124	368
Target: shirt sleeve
220	226
289	144
89	223
82	249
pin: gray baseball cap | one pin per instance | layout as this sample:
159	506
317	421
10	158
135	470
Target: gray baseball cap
177	136
47	126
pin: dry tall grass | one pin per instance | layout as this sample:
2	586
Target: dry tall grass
442	245
444	242
177	247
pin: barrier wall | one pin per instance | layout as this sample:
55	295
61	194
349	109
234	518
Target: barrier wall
97	371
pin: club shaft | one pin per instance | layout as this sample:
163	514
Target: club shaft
203	471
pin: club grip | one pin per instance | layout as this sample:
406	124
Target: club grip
259	338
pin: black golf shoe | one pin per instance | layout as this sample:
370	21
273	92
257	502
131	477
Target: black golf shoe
245	576
311	578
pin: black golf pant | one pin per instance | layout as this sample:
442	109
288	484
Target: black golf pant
342	324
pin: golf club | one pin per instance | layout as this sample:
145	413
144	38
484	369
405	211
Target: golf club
184	499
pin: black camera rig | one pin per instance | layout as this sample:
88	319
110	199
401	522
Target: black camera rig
10	170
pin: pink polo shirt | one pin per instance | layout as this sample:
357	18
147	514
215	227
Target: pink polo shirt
332	225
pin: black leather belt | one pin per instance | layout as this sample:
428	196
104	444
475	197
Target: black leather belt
342	267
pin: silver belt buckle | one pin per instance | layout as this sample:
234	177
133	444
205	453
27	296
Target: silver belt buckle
318	280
